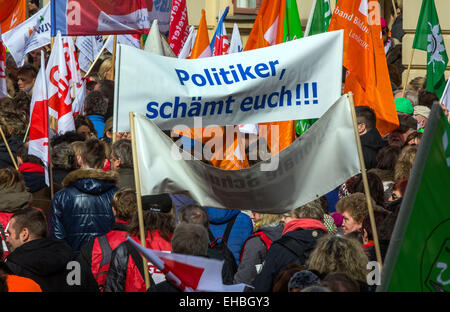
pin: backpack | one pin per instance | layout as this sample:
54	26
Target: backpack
219	250
265	239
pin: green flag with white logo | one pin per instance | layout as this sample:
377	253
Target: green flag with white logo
319	18
429	38
418	258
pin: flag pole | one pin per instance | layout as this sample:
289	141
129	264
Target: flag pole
26	132
365	181
9	150
141	38
137	181
114	74
311	14
395	8
407	73
95	61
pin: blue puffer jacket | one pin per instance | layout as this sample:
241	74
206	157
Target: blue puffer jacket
241	230
82	209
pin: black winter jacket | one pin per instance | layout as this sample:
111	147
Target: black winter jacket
278	257
371	142
5	158
45	261
82	209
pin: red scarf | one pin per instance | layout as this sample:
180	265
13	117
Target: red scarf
305	224
31	167
369	243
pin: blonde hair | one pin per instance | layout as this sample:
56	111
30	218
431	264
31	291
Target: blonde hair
11	178
77	147
405	162
266	219
417	84
105	68
311	210
336	253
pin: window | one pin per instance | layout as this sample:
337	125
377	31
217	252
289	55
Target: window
246	6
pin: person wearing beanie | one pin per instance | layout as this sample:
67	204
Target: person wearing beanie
421	114
404	106
302	280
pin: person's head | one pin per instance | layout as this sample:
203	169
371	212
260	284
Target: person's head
22	101
25	225
35	57
414	138
124	204
84	127
427	98
10	178
281	282
193	214
421	113
394	75
26	77
121	154
95	103
407	125
77	147
190	239
376	187
63	157
13	124
417	84
106	87
408	94
265	219
404	106
24	157
384	30
340	282
405	162
387	157
336	253
379	216
108	131
301	280
92	154
353	209
311	210
105	70
33	6
366	119
68	137
398	190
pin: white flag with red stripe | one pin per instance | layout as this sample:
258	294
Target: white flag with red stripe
3	89
189	273
38	142
59	98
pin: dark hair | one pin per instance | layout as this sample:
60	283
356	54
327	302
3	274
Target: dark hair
21	102
27	70
125	203
13	123
106	87
340	282
387	157
68	137
161	221
84	121
122	149
63	157
96	103
22	152
190	239
32	219
400	186
93	153
281	282
376	187
427	98
379	216
413	135
194	214
367	116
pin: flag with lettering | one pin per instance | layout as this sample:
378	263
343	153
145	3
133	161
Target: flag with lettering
429	39
32	34
102	17
188	45
12	13
236	41
319	18
418	257
179	26
220	43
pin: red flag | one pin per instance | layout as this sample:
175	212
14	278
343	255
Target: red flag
38	145
179	26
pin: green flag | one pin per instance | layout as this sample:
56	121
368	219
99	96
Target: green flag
319	18
292	25
418	258
429	38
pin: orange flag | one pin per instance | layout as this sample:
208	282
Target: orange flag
201	46
365	60
268	30
12	13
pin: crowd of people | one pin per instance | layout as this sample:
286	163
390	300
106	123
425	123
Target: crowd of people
90	208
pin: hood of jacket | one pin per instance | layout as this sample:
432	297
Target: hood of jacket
304	224
42	257
34	176
373	140
221	216
13	198
91	181
272	231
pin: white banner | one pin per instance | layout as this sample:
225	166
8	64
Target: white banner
313	165
299	79
28	36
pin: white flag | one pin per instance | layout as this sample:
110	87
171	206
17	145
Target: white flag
313	165
446	96
28	36
236	42
156	43
189	273
3	88
129	40
187	48
90	47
